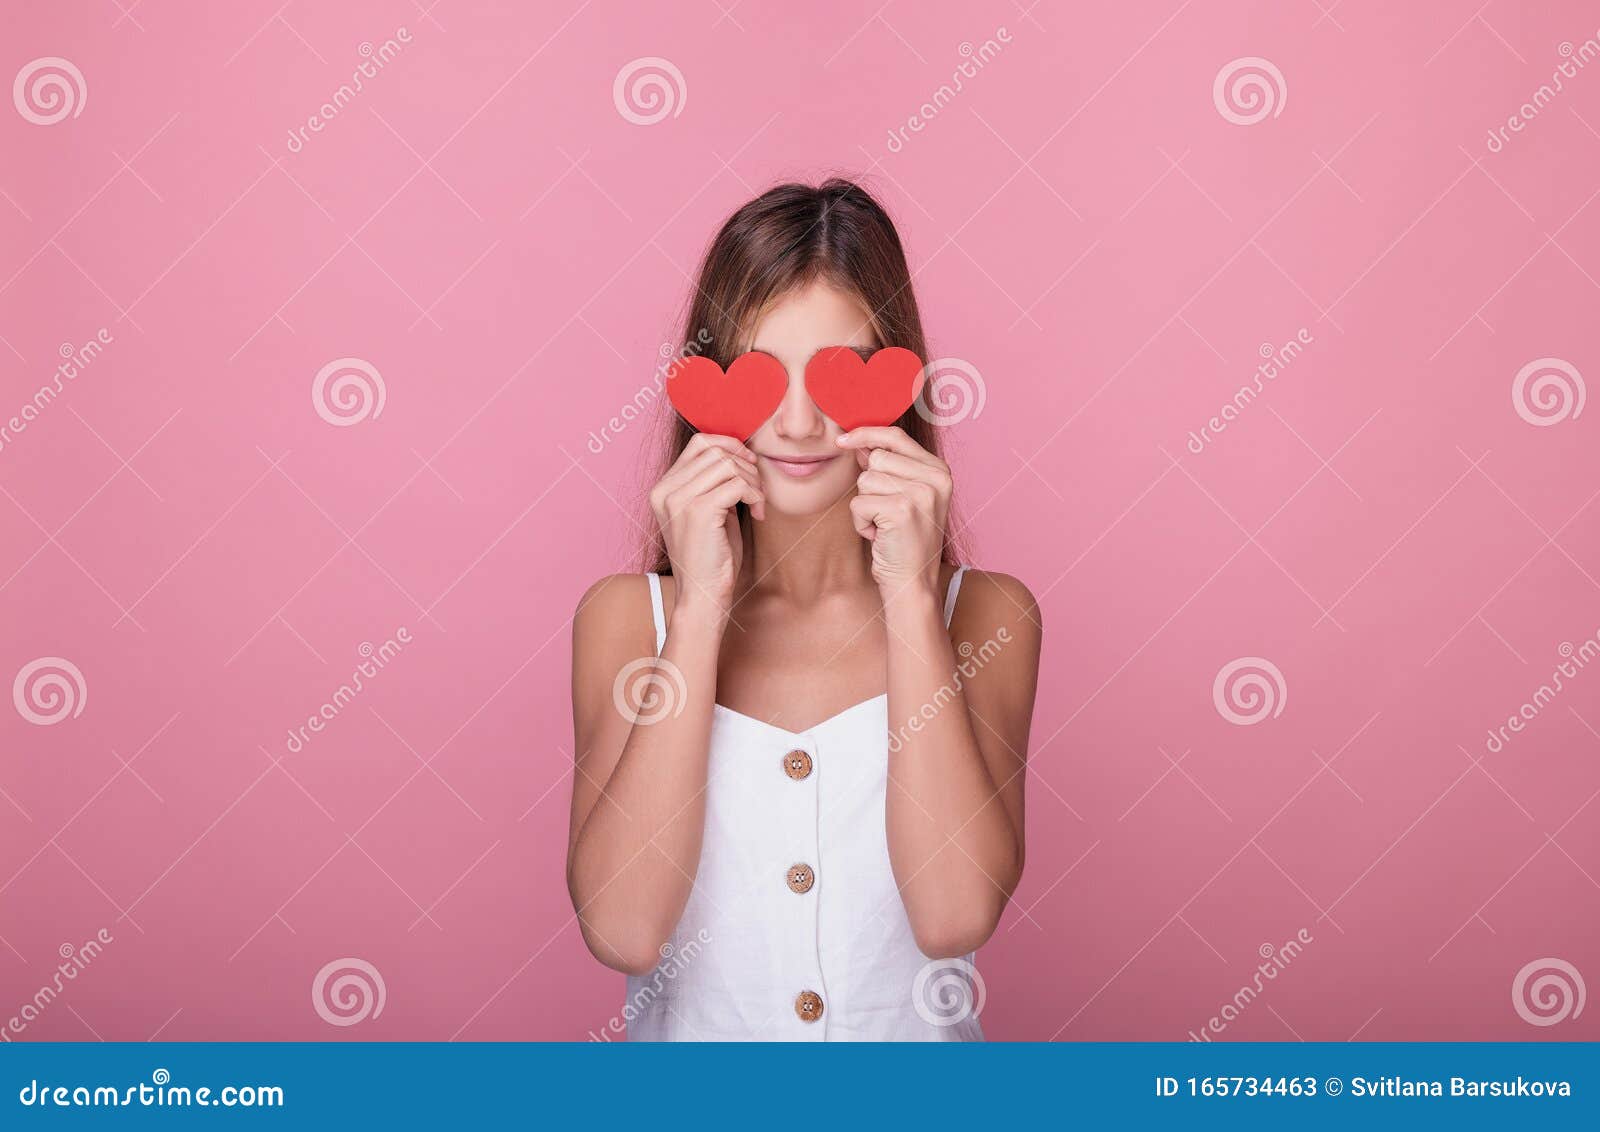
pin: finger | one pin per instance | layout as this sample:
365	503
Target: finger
885	509
911	494
712	477
703	441
736	490
935	475
874	513
879	483
718	471
708	459
717	457
718	501
709	454
863	514
890	437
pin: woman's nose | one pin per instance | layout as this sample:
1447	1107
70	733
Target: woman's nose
798	417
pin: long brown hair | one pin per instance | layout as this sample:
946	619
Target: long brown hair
784	239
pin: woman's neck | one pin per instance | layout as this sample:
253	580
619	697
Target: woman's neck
804	556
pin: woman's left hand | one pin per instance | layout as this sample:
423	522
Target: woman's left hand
902	503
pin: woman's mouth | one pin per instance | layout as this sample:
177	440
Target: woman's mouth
799	467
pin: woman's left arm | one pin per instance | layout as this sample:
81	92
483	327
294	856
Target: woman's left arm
958	715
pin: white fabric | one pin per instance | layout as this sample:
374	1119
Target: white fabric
747	945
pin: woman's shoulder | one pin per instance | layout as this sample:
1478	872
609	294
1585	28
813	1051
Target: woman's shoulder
617	605
988	587
989	600
613	590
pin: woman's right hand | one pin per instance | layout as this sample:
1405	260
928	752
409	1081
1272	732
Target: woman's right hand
694	506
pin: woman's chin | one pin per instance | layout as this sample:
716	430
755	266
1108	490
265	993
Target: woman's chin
804	498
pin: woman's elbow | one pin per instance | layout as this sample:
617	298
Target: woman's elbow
623	943
952	934
632	952
963	923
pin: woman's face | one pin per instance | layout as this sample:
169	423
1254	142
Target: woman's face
802	470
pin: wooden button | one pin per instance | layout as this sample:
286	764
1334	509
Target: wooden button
797	764
808	1005
801	878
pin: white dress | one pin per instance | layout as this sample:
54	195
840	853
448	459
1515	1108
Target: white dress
794	929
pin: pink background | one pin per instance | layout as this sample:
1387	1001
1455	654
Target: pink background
1107	250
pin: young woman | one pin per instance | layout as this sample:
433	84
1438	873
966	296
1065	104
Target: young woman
813	816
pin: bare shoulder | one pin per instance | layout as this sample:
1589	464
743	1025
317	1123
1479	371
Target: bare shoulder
614	610
989	587
990	601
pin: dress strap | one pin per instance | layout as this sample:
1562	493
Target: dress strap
660	614
950	594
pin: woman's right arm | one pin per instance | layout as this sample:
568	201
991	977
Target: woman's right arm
638	800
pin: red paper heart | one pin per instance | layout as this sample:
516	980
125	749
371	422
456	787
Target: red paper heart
733	404
857	393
